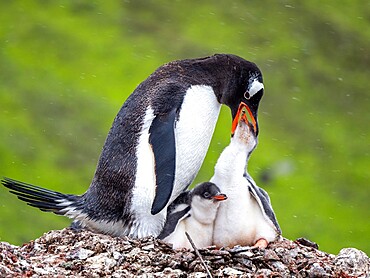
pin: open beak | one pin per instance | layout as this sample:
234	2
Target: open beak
219	197
242	115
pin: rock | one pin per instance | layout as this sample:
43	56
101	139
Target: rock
81	254
85	254
231	271
351	262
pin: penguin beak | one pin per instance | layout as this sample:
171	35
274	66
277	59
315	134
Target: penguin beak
242	115
219	197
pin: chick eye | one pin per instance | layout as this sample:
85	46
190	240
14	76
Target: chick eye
206	195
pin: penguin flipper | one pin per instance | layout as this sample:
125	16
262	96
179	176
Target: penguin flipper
263	200
162	140
177	210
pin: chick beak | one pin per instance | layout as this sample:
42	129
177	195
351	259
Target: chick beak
242	115
219	197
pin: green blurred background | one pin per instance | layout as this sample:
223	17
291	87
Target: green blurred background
66	67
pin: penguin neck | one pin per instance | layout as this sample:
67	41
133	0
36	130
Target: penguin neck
233	161
203	211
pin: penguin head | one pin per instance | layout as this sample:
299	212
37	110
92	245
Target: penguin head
244	89
208	191
205	199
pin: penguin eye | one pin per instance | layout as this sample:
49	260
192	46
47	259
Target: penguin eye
247	95
254	88
206	195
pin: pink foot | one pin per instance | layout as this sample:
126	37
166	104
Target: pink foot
261	243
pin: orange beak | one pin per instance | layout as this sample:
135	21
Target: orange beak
219	197
242	115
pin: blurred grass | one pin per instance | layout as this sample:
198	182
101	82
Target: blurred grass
66	68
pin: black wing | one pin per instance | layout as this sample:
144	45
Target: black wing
177	210
162	139
264	202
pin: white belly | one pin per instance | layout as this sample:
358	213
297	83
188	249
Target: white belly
193	134
201	234
239	219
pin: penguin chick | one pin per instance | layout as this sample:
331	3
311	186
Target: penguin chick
247	218
156	146
193	212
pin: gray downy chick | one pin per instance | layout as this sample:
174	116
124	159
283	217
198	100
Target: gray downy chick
247	218
193	212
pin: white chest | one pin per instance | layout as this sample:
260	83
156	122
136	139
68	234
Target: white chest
201	234
240	220
193	133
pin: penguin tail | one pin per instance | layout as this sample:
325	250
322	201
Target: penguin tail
43	199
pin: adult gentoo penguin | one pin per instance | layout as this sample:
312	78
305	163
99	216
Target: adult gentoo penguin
247	217
156	145
193	212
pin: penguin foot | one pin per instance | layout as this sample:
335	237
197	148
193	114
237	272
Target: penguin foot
261	243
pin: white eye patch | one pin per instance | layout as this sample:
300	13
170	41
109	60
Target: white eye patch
255	87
